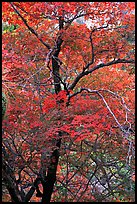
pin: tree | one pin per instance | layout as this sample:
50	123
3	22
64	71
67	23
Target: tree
68	132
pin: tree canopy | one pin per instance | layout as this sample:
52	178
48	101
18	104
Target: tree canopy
68	82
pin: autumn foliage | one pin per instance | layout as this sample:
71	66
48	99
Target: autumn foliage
68	75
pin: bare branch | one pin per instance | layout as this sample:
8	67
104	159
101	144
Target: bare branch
110	110
88	183
105	102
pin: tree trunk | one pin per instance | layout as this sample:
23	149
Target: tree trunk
56	76
10	183
50	179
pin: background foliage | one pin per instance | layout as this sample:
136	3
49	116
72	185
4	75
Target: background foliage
68	77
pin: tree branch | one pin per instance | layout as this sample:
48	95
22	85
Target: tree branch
31	29
84	73
10	182
92	51
126	132
32	190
